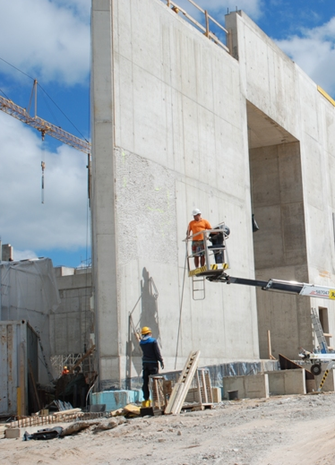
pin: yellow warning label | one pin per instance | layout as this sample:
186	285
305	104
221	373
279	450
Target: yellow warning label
332	294
197	270
215	266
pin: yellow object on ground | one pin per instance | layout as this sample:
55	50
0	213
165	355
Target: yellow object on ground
131	410
146	403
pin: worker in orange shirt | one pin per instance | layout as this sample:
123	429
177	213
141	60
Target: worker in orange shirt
195	226
65	371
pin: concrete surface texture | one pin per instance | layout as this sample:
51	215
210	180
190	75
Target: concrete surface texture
72	323
178	123
292	193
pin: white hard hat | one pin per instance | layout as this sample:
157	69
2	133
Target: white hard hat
196	211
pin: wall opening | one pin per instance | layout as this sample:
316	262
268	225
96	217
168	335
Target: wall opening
323	317
280	243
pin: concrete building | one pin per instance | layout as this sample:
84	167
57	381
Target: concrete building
56	303
179	122
72	325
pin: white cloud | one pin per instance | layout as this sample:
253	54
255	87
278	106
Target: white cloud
23	255
47	39
314	52
61	222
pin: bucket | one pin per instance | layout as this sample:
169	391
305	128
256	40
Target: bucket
232	395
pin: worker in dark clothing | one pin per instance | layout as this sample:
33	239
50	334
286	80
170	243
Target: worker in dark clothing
217	240
151	357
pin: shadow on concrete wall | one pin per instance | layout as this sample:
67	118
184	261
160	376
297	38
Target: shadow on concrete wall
148	317
149	311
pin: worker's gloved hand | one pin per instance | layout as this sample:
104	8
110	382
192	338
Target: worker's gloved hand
162	365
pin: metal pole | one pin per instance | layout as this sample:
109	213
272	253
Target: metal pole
207	24
0	280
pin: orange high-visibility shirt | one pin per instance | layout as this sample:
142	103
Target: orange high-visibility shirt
197	226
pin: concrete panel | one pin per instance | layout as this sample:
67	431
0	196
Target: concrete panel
286	382
170	132
270	78
178	123
251	387
71	325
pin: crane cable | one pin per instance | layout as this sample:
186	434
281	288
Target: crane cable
180	308
43	168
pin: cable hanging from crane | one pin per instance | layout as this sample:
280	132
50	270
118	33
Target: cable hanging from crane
45	128
43	168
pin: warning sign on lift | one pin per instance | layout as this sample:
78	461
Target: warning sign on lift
318	291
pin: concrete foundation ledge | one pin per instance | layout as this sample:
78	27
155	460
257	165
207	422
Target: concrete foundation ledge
285	382
116	399
249	386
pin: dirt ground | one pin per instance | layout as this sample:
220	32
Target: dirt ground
275	431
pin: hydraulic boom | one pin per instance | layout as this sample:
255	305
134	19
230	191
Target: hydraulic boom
310	290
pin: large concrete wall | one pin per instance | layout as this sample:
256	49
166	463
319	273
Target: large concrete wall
293	192
169	133
177	123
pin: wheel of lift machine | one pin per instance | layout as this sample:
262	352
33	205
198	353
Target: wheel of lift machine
316	369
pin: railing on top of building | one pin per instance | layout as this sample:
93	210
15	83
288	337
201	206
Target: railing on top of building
205	29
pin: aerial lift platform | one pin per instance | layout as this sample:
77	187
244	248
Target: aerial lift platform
217	264
215	270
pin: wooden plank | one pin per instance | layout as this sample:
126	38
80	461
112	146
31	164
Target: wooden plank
287	364
181	388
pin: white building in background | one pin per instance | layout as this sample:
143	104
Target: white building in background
178	122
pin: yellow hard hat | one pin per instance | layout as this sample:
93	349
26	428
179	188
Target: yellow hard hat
145	330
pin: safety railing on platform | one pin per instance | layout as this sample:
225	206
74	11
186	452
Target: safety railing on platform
205	29
209	255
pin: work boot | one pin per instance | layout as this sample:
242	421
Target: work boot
146	403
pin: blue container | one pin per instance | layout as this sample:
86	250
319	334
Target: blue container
116	399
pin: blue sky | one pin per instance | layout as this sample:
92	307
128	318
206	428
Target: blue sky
49	40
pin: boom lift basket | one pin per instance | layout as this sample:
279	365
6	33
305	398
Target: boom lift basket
213	249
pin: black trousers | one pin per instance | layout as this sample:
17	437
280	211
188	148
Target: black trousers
148	369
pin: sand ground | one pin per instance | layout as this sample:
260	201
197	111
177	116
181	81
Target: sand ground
276	431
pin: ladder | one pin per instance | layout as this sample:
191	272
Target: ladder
319	331
181	388
198	287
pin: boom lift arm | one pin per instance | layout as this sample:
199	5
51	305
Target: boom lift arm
292	287
218	272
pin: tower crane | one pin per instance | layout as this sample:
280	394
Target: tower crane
22	114
9	107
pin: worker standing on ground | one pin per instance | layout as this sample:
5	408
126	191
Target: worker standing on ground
151	357
195	226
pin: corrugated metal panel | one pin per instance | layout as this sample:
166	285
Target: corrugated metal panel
13	367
